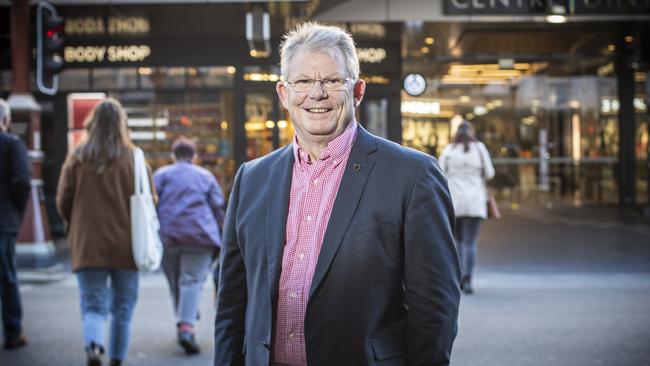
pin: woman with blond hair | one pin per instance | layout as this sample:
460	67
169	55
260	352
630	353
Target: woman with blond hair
96	182
467	165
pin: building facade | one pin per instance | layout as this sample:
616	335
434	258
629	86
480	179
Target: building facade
561	107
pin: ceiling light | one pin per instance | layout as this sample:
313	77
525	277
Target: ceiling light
424	49
429	40
464	99
611	48
629	39
480	110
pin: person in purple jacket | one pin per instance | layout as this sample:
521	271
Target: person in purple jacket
191	211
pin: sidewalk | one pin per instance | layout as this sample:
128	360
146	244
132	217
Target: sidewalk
556	286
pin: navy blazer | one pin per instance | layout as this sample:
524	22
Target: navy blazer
15	186
385	290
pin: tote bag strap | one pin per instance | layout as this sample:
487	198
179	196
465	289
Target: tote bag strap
140	172
480	155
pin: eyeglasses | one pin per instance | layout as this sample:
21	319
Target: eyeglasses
305	85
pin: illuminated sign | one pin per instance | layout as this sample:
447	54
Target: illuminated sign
371	55
127	53
92	26
522	7
421	107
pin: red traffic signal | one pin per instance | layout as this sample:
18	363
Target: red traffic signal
49	44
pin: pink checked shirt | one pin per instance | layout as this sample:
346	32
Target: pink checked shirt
314	185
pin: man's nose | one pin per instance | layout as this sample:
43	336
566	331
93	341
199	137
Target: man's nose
318	91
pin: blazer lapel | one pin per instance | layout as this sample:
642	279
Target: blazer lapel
277	208
354	180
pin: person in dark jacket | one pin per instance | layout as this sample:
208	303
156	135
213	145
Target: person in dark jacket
15	176
338	248
191	211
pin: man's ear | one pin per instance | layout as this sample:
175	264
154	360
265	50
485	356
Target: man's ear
283	93
358	91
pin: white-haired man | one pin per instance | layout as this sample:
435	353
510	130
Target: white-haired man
15	175
338	248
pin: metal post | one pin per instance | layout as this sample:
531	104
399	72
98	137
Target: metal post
626	120
34	241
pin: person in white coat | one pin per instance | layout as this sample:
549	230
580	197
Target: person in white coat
467	164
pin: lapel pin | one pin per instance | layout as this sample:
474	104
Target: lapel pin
357	167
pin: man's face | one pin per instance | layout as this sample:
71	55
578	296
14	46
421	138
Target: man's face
320	115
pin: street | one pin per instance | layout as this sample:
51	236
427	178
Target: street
561	286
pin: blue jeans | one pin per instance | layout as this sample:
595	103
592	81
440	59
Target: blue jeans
186	269
96	296
466	234
9	294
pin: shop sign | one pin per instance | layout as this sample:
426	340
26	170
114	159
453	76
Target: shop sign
373	55
98	26
535	7
126	53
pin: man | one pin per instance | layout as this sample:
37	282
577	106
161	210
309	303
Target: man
190	210
338	248
15	178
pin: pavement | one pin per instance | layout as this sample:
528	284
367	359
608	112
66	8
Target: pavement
554	286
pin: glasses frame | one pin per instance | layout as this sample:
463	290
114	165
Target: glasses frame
314	81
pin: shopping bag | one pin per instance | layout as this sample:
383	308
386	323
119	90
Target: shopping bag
492	207
145	238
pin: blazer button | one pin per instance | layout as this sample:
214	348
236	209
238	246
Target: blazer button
266	344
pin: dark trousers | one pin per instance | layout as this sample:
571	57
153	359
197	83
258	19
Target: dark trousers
9	294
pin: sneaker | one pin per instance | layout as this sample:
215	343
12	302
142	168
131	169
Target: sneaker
186	340
94	354
14	343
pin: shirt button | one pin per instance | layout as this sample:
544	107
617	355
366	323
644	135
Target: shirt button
301	256
316	181
293	295
292	336
309	218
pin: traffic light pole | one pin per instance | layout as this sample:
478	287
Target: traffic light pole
35	247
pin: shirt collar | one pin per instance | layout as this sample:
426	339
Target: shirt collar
335	149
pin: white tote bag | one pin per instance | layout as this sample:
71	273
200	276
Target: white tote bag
145	238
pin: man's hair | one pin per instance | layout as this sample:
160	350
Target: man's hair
315	37
184	148
5	110
107	136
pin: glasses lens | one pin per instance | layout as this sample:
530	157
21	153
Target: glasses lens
303	84
333	84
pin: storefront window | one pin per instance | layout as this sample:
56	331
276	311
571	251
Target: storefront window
550	123
162	77
111	78
210	77
259	124
74	79
205	117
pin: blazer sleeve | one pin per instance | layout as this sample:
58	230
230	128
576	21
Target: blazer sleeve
232	295
22	174
431	270
65	191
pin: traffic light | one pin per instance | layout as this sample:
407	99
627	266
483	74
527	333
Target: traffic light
49	43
